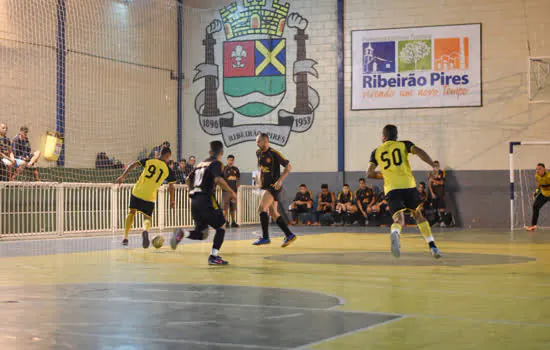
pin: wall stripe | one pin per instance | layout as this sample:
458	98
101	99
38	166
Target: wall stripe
61	77
179	80
340	41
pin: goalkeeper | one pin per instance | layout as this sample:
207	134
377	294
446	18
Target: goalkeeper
542	194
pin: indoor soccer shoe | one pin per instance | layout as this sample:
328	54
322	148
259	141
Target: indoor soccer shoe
145	237
435	252
288	240
216	260
177	236
262	241
125	242
395	245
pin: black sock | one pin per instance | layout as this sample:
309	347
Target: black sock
218	238
282	224
264	221
432	244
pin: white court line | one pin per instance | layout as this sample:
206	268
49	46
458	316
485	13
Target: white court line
186	323
307	346
283	316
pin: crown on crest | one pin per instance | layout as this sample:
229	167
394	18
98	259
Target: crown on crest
254	17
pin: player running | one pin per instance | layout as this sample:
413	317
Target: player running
542	194
205	210
144	193
400	186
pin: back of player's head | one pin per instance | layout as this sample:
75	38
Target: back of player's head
390	132
542	165
216	147
165	150
323	186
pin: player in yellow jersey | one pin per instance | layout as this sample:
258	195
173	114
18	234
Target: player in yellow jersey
399	185
144	193
542	194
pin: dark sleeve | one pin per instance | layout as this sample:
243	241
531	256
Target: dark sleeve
258	156
409	146
373	158
280	158
238	172
171	176
216	168
142	162
297	196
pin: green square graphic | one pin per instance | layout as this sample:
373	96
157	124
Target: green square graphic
415	55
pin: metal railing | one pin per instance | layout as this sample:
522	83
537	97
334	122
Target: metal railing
45	208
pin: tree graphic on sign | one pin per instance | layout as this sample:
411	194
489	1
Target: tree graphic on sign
415	55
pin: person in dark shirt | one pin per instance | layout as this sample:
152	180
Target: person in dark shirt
190	166
24	157
180	175
303	203
365	198
205	210
345	201
270	180
326	204
436	184
232	176
6	153
155	152
423	197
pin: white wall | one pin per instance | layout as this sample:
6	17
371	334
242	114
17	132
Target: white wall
461	138
111	106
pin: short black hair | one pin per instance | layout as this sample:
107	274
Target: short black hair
166	143
346	185
165	150
230	156
216	147
422	183
362	179
436	161
542	165
303	185
264	135
324	186
390	132
24	129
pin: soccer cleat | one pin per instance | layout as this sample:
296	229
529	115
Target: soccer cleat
177	236
395	245
216	260
435	252
531	228
262	241
288	240
145	236
125	242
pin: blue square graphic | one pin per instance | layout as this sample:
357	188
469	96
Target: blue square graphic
277	64
379	57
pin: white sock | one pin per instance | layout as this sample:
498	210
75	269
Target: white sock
429	239
215	252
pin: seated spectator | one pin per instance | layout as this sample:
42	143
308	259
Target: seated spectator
24	157
345	205
423	195
102	161
155	152
190	166
381	211
365	199
436	185
302	204
326	205
6	153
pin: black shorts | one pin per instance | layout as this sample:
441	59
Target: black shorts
275	193
406	198
143	206
438	203
206	211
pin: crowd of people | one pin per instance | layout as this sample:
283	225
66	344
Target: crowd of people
16	154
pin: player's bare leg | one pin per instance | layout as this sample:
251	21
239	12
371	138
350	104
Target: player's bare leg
266	201
396	227
145	234
19	170
233	211
426	230
128	225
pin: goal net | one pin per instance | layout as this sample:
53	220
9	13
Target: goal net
93	78
524	157
539	79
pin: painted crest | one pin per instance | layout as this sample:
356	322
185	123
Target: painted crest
254	73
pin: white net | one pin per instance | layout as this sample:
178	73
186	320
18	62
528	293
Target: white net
526	158
539	79
99	72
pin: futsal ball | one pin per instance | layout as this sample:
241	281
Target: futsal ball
158	242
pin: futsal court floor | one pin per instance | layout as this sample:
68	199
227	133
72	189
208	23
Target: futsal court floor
334	288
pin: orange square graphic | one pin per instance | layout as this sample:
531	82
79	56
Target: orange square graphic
451	54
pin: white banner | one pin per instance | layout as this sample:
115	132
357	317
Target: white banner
416	67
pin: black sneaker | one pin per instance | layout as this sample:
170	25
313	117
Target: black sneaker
145	236
216	260
176	238
234	225
125	242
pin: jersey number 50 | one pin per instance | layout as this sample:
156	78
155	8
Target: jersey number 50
395	156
